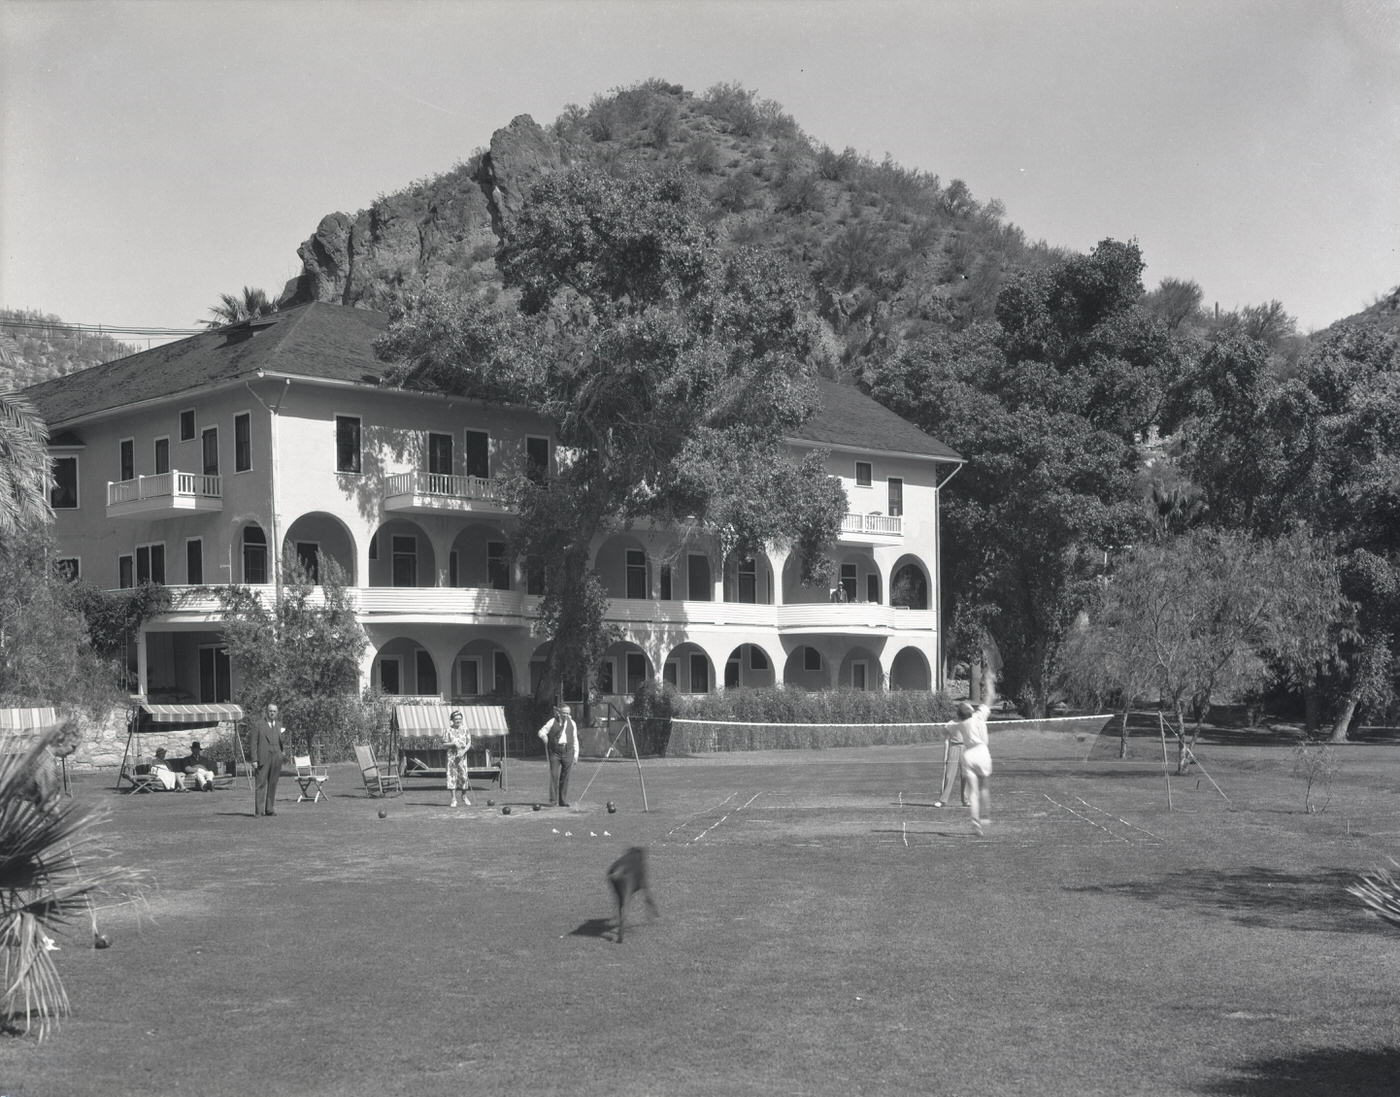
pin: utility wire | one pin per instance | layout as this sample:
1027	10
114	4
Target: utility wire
113	330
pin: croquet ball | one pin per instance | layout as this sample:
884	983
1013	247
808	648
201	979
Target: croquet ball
536	807
505	810
383	814
490	803
99	940
611	807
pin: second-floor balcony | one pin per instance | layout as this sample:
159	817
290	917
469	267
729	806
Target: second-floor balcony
873	528
164	495
483	607
432	492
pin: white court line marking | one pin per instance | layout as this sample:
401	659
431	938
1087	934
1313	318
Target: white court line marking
1095	807
706	831
1084	818
687	821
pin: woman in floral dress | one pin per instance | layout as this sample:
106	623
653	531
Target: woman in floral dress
459	741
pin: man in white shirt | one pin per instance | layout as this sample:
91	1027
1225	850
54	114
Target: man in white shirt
560	737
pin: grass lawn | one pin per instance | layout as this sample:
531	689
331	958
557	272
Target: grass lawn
824	930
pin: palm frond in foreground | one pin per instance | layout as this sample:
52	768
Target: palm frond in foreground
1380	891
53	868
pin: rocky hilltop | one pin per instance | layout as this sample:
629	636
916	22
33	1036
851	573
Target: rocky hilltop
887	248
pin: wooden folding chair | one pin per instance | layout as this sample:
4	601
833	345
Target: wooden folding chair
310	778
380	780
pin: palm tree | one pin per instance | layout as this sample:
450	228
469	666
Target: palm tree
24	465
232	310
52	865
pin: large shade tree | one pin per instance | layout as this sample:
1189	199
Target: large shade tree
671	371
1050	404
1316	445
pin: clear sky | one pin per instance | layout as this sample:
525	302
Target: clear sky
159	153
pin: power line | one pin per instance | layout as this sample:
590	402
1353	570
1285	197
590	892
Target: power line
114	330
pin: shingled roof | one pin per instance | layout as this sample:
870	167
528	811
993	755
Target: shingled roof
327	342
336	343
849	418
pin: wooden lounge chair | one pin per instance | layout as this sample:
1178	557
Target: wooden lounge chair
381	779
310	778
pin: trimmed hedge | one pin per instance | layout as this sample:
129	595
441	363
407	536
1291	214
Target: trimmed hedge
785	719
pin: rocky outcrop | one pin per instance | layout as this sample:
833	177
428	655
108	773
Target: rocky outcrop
439	231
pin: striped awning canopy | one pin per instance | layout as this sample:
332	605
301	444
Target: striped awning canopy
210	713
420	720
28	719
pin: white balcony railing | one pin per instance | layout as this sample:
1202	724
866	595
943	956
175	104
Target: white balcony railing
165	492
873	525
507	607
439	491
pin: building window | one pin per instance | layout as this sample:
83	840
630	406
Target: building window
309	557
863	477
848	581
699	674
872	588
194	562
187	425
636	671
636	573
497	566
748	581
211	451
731	672
404	550
505	677
215	681
440	454
454	575
858	675
896	507
537	459
478	454
150	563
669	673
607	678
242	442
664	583
162	456
67	568
64	493
126	572
758	660
347	443
699	587
469	677
127	459
254	555
426	672
811	659
390	675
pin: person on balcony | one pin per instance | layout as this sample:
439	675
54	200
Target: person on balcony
560	737
459	741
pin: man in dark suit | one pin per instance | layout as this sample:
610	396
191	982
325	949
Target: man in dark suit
267	759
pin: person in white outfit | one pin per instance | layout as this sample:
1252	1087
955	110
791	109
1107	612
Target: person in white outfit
976	761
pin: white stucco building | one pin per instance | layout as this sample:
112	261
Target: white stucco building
196	463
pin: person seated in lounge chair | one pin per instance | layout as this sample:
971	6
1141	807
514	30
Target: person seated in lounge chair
168	778
199	769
